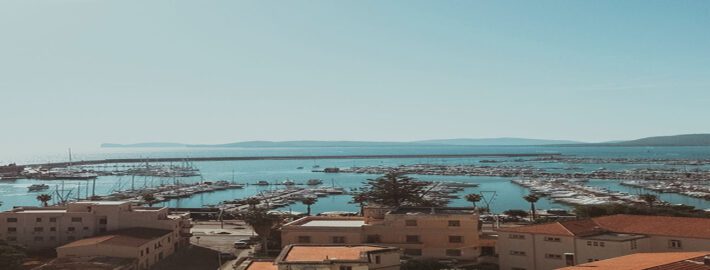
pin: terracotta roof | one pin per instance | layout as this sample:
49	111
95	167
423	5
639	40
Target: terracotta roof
134	237
648	261
657	225
261	266
634	224
307	253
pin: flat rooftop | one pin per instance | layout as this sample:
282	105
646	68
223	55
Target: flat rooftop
133	237
334	223
434	211
255	265
315	253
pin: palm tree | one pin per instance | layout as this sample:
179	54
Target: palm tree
252	202
308	202
149	198
650	199
262	223
473	198
360	198
44	198
532	199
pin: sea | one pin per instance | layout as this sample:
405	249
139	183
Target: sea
500	194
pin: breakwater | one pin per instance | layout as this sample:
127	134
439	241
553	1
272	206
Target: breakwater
248	158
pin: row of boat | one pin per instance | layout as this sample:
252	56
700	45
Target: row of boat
575	192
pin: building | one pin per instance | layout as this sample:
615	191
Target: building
146	246
568	243
51	227
440	233
330	257
651	261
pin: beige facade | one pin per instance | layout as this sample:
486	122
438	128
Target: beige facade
145	245
562	244
50	227
440	233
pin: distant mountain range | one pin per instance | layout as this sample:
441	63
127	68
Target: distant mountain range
677	140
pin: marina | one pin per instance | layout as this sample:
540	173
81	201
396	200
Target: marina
264	176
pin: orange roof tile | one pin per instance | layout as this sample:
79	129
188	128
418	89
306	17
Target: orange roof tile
646	261
133	237
261	266
635	224
321	253
657	225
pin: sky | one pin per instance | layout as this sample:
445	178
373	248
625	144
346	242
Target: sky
79	73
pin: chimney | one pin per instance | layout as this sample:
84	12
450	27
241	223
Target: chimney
706	260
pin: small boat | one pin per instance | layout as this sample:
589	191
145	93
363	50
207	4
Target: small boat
38	187
262	183
289	183
299	168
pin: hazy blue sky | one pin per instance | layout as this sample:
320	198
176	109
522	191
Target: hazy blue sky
77	73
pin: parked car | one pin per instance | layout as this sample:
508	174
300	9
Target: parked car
241	244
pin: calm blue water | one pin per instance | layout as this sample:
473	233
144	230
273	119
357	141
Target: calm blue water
508	195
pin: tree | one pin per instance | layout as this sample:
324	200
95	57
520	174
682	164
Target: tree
473	198
149	198
308	202
650	199
11	256
44	198
262	223
253	202
395	189
360	198
532	199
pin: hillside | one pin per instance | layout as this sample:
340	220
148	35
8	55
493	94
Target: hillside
676	140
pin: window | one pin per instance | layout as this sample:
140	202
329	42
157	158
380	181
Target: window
338	239
517	253
553	256
11	229
11	219
86	228
103	221
141	253
345	267
634	244
304	239
589	243
76	219
373	238
52	229
601	244
39	229
412	238
52	238
454	223
410	222
516	236
674	244
552	239
455	239
413	252
453	252
488	251
71	229
595	243
39	219
52	219
378	260
39	238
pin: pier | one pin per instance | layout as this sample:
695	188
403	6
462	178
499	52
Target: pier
248	158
